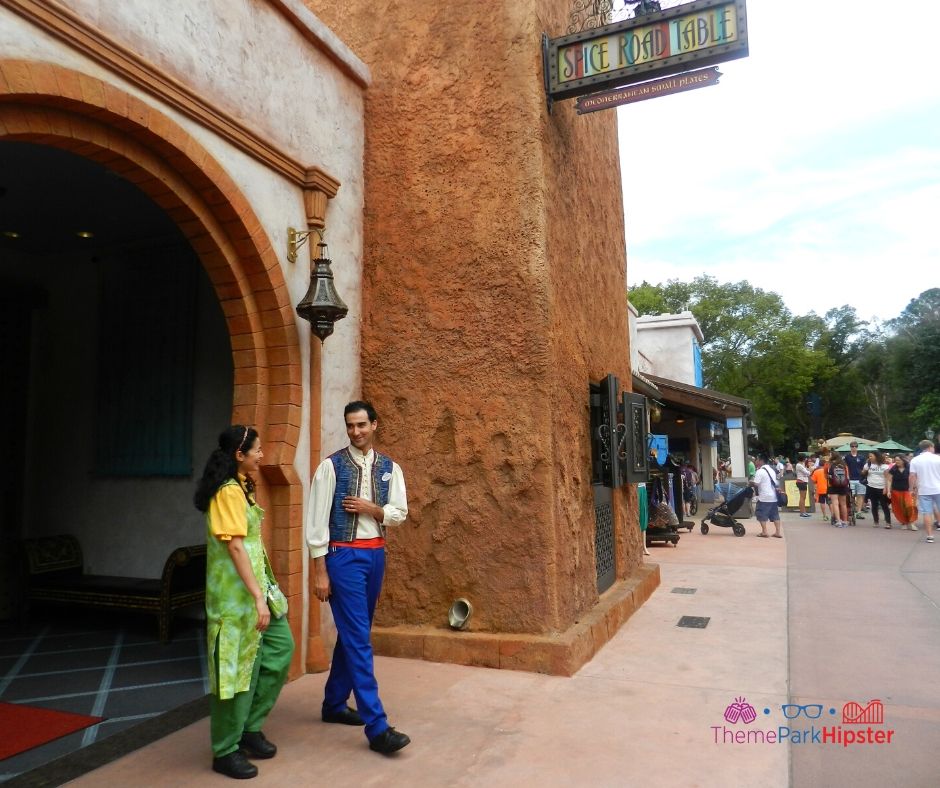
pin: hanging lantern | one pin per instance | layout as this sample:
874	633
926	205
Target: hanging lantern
322	305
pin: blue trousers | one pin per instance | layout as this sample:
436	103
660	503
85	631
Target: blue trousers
355	582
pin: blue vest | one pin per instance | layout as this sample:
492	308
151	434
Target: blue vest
349	482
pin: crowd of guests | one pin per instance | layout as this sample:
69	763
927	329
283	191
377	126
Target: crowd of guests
898	489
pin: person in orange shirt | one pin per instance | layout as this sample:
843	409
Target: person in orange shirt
821	482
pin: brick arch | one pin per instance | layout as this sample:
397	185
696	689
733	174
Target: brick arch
59	107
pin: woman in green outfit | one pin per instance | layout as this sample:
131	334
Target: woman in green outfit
249	650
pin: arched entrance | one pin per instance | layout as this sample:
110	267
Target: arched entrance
53	106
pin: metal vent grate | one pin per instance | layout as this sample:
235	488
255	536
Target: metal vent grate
604	546
681	590
694	622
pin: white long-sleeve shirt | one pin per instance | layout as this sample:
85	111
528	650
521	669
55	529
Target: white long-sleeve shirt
321	501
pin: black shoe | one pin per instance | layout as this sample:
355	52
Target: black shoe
235	765
347	716
389	741
254	744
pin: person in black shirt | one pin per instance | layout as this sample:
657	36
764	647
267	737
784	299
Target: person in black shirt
898	489
855	462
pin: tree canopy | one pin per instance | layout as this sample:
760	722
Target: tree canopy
808	375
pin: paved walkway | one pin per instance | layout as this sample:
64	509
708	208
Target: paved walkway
863	623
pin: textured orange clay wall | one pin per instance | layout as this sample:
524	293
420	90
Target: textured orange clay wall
494	291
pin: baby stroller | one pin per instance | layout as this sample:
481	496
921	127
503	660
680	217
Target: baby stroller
723	515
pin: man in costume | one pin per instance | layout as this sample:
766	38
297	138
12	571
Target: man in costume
356	493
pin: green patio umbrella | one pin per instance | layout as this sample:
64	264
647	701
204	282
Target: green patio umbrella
890	445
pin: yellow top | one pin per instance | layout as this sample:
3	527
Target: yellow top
227	513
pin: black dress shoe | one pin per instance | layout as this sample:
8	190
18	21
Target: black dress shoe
235	765
389	741
255	745
347	716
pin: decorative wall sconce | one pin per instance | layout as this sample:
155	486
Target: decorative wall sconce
322	305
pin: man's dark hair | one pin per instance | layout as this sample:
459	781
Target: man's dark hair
357	405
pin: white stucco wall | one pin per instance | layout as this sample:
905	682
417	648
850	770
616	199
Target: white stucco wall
632	316
666	340
253	64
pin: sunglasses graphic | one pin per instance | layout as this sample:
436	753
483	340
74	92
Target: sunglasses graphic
793	710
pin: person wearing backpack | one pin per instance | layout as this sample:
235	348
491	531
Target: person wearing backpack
839	490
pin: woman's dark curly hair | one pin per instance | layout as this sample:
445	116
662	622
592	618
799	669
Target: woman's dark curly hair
222	464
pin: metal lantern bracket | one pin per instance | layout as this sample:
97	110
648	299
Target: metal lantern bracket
297	238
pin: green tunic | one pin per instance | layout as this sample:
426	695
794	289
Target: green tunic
231	615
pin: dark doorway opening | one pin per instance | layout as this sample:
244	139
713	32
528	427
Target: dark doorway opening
118	378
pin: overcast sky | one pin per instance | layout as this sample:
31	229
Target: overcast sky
812	169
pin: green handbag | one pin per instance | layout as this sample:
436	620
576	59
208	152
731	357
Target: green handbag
277	602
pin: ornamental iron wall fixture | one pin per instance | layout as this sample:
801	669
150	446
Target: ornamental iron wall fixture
633	409
587	14
608	432
619	435
322	305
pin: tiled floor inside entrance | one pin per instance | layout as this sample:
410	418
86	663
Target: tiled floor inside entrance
103	666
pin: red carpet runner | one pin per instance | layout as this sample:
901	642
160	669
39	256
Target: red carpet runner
25	727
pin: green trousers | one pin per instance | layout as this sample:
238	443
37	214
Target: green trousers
247	711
